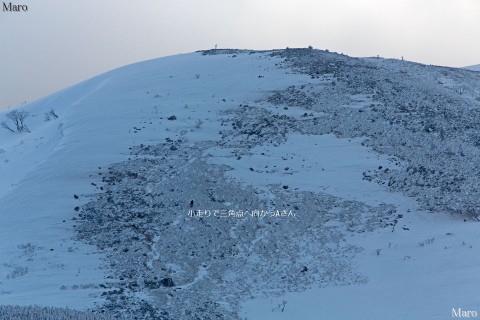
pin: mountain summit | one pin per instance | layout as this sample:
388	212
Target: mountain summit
228	184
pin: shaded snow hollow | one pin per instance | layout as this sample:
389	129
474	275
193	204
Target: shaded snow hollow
365	158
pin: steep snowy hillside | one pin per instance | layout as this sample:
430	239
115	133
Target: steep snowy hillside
227	184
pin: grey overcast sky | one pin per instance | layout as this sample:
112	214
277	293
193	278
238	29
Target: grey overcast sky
60	42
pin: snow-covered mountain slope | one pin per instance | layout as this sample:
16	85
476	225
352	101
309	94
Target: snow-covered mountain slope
219	184
474	67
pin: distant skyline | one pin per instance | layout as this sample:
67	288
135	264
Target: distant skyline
57	43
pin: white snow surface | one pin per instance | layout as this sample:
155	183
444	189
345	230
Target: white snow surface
40	172
420	273
424	267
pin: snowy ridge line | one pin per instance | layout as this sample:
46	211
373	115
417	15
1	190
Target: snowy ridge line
98	120
353	146
425	117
